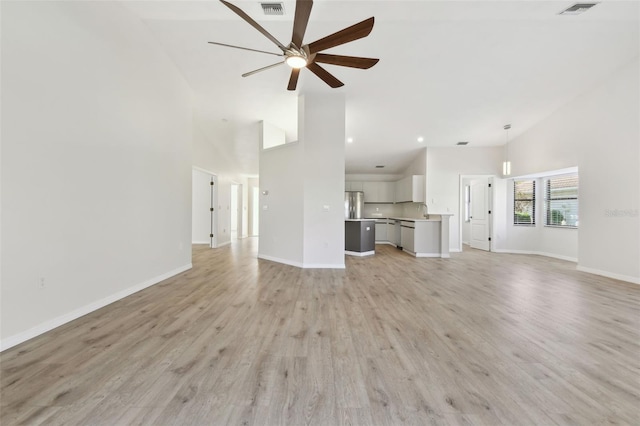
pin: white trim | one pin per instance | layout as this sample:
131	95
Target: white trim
627	278
223	244
432	255
385	242
302	265
359	253
280	260
537	253
49	325
456	250
201	242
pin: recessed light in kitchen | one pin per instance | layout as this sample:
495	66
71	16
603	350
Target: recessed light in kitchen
420	139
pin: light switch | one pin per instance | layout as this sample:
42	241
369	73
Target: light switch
325	208
265	207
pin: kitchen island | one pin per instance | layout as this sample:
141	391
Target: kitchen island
359	237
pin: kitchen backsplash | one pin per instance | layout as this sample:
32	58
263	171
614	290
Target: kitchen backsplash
415	210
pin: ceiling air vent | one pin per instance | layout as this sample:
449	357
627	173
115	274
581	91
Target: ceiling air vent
273	9
578	8
462	143
379	167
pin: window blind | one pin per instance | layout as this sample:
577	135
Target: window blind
524	202
561	201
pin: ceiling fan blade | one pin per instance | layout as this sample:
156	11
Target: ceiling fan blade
354	32
253	23
244	48
293	80
247	74
346	61
303	11
324	75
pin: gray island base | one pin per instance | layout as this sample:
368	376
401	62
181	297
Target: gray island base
359	237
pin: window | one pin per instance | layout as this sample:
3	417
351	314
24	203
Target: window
524	202
561	201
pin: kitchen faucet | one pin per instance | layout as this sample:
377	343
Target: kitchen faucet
426	211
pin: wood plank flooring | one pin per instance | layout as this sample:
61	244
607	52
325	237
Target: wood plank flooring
481	338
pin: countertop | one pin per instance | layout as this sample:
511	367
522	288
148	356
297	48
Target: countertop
410	219
360	220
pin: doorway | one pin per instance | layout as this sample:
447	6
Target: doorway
203	214
476	212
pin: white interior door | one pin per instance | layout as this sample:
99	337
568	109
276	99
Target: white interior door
480	216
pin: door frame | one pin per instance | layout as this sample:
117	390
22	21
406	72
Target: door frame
491	180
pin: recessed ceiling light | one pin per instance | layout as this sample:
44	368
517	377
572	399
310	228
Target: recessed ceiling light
420	139
577	9
349	140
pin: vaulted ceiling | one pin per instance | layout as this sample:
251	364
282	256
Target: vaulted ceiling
449	71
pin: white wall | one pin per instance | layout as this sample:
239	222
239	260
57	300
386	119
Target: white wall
444	168
322	130
282	204
96	164
599	133
301	179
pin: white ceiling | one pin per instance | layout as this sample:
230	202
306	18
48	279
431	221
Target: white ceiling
449	71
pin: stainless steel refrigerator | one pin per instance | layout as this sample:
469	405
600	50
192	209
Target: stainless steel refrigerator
353	204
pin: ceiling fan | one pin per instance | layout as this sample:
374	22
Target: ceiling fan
298	55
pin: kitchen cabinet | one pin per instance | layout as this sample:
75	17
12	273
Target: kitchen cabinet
359	237
410	189
379	192
386	192
381	232
407	235
393	232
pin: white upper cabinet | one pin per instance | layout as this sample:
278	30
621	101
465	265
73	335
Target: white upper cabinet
387	192
410	189
378	192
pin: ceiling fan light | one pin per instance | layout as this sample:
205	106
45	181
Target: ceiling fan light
296	61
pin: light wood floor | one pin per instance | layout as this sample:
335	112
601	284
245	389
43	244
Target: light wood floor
476	339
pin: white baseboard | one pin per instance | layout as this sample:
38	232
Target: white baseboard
49	325
455	250
302	265
200	242
360	253
223	244
627	278
280	260
537	253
